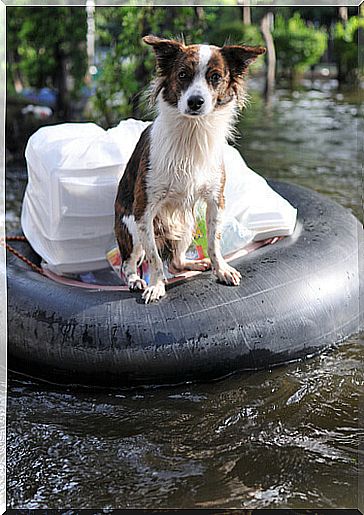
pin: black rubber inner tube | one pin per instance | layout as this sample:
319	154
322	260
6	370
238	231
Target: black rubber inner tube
296	297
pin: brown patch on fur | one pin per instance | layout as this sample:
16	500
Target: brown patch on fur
166	51
238	59
140	194
124	239
119	209
173	57
221	90
186	62
131	198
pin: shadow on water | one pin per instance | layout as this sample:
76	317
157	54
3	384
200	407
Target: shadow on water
285	438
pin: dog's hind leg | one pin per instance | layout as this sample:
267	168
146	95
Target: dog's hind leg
179	262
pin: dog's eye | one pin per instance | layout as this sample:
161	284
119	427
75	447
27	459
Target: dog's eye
215	78
182	75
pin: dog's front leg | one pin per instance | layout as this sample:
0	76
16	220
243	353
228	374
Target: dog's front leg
156	288
224	272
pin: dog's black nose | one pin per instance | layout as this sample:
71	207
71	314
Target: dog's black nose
195	102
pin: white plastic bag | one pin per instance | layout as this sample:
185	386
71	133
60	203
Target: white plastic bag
253	210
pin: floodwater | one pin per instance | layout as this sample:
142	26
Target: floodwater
284	438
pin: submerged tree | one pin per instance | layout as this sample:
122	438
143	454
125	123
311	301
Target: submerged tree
298	45
346	48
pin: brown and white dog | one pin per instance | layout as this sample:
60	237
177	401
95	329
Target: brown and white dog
179	160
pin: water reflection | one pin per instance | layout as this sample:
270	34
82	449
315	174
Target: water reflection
309	137
284	438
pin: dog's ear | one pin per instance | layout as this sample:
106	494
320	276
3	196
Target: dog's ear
239	57
166	51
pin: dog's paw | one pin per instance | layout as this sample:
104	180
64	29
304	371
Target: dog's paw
154	292
136	283
228	275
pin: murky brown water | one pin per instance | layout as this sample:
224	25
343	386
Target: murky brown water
285	438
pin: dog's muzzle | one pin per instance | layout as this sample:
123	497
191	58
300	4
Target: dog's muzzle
194	103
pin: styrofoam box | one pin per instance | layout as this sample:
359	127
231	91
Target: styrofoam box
73	174
67	256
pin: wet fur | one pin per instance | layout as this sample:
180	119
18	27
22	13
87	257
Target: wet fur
179	160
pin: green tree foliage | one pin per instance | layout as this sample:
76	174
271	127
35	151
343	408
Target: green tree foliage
346	48
298	46
229	28
129	65
46	46
237	33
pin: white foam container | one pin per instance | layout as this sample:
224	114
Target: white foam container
73	174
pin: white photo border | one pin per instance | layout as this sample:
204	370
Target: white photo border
3	290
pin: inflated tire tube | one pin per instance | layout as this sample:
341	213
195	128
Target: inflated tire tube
296	297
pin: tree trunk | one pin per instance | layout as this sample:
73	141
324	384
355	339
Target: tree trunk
141	73
63	106
266	24
170	14
141	77
343	14
13	59
90	11
199	13
247	19
245	12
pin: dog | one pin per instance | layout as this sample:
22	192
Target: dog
178	160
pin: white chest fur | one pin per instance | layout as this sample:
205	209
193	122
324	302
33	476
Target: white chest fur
186	155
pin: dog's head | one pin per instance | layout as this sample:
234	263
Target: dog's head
197	79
